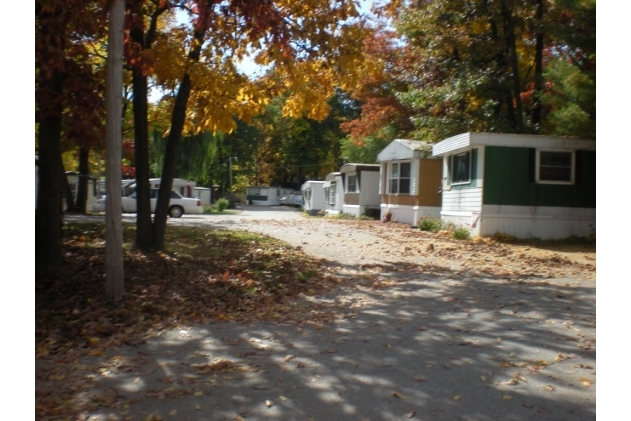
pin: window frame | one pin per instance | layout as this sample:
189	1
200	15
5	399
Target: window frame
348	184
468	180
572	167
331	194
398	177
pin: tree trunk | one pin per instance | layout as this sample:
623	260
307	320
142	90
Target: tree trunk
82	188
114	280
536	108
175	136
141	143
144	232
509	36
170	158
48	216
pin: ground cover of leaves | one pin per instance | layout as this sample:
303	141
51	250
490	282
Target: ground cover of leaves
204	275
208	276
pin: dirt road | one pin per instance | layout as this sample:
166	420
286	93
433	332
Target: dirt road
427	328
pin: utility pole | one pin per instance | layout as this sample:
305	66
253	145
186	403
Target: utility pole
114	280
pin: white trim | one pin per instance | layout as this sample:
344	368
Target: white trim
463	141
451	157
389	178
572	167
347	184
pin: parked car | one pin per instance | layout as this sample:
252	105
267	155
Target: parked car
292	199
178	205
99	205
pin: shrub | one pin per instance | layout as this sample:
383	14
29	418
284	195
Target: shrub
343	215
461	233
222	204
430	224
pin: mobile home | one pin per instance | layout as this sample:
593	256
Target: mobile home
361	188
334	193
313	196
522	185
266	195
410	181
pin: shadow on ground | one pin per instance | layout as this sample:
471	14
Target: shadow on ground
411	341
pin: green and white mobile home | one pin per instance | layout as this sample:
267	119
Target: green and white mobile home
522	185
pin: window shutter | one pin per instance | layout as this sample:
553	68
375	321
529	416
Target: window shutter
532	165
578	168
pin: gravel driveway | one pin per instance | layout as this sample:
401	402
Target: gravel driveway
418	337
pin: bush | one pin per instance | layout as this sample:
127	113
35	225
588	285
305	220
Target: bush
430	224
222	204
343	215
461	233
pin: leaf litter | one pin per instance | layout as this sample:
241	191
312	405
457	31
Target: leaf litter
210	276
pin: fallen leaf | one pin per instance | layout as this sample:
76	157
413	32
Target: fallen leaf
198	393
398	395
457	397
282	398
269	403
585	382
411	414
507	397
420	379
549	388
172	413
483	378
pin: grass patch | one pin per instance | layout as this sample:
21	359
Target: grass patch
430	224
582	242
346	216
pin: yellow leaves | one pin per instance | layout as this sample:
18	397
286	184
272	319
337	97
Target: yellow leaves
456	397
517	377
398	395
507	397
585	382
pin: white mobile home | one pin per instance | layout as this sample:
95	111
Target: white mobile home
361	188
265	195
313	195
204	194
334	193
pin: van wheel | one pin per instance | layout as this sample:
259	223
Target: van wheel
175	211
